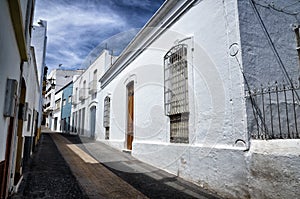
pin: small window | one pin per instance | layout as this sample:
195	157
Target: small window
64	102
57	104
28	122
176	93
70	99
106	116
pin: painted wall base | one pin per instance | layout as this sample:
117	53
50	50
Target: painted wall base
229	171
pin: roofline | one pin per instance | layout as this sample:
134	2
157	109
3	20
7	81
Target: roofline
87	69
165	16
68	84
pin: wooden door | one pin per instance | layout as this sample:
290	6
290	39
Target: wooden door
130	113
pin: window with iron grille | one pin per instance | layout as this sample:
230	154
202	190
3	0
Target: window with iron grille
106	116
176	93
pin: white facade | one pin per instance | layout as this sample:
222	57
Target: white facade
18	85
219	155
39	41
56	114
33	95
85	92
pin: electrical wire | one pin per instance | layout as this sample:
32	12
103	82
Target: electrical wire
280	62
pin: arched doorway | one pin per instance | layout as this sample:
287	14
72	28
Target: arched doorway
92	121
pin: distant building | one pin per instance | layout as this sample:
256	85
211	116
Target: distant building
85	95
66	107
39	41
56	80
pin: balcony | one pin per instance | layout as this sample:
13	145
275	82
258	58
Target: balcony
82	94
74	99
48	108
93	87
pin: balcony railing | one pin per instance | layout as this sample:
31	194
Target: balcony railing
74	99
93	87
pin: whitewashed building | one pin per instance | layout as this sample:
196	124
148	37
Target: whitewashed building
19	91
85	92
28	126
56	80
177	97
39	41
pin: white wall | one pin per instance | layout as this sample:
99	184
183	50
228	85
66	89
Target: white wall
217	107
32	93
57	112
9	66
100	64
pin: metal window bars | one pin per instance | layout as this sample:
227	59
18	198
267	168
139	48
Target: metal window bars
106	112
176	92
275	111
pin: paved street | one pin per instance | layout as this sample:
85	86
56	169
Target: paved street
98	171
48	175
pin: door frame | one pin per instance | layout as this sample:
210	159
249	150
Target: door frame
93	121
129	136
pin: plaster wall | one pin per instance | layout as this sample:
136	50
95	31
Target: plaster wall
259	60
220	155
57	112
9	65
100	64
273	164
217	106
274	168
39	39
32	93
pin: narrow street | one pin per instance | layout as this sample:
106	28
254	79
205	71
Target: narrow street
68	166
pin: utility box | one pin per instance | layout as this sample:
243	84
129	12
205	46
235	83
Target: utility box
10	97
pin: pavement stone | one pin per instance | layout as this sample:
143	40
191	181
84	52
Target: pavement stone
150	181
95	179
48	175
69	166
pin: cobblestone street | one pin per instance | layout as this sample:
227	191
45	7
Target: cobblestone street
48	175
96	171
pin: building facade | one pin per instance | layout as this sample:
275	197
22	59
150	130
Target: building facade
39	41
85	92
66	107
20	92
56	80
183	96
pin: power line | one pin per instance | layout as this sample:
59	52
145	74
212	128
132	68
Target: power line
265	31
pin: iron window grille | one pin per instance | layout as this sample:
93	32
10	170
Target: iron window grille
106	116
176	93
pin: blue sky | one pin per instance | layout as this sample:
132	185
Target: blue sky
76	27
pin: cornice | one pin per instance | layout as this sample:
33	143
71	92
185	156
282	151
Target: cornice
167	15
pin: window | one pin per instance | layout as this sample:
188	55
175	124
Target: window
70	99
83	120
57	104
28	122
106	116
64	102
176	93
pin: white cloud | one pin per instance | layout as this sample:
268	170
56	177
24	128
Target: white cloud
76	27
70	27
